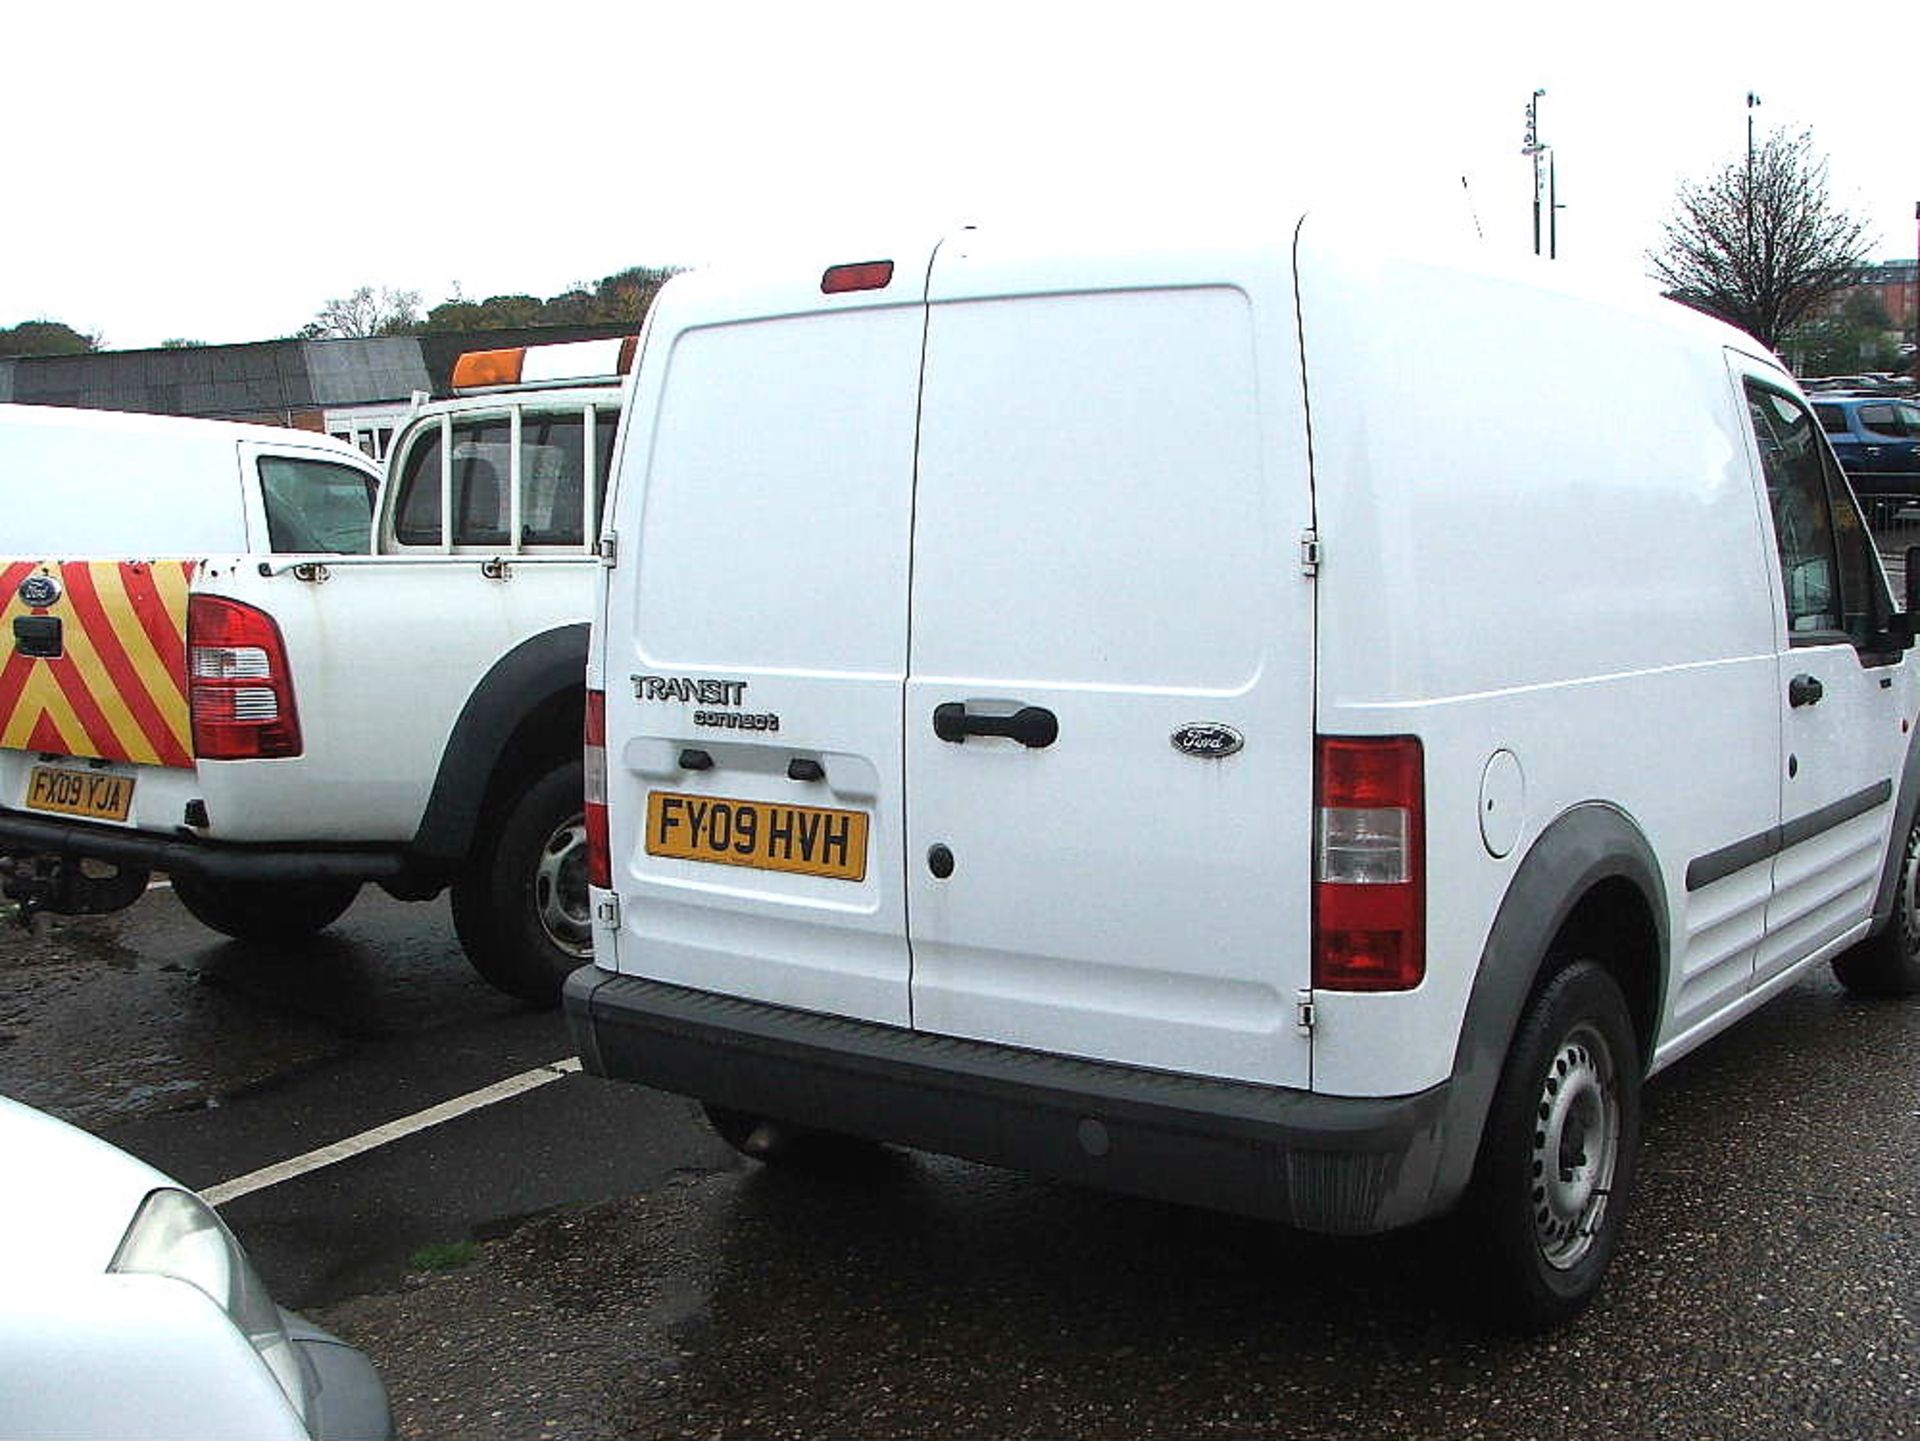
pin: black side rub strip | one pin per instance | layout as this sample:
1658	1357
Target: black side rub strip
1718	865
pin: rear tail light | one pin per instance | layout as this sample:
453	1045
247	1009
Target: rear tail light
240	690
865	275
599	846
1369	894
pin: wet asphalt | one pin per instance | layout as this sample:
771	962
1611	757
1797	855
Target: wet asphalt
585	1260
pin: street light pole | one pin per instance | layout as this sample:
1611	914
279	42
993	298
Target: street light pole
1533	149
1553	206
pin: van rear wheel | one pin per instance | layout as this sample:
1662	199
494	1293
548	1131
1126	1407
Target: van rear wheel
264	912
520	908
1558	1157
1889	964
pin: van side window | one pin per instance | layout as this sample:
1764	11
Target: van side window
315	505
1827	564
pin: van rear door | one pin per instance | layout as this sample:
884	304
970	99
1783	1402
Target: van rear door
756	641
1109	733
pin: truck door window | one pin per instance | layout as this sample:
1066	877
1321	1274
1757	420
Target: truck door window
315	505
1827	564
553	478
552	473
482	471
416	514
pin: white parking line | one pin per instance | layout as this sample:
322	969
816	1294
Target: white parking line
392	1131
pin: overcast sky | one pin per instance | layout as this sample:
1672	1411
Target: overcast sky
218	171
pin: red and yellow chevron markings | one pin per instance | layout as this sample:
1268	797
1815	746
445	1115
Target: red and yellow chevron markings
119	691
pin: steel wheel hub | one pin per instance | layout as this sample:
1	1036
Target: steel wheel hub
1907	896
560	889
1576	1145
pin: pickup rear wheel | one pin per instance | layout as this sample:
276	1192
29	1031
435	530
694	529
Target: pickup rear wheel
264	912
521	906
1558	1157
1889	964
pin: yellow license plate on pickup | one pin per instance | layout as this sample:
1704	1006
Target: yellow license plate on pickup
763	835
97	795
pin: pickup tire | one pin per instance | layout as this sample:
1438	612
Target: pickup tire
520	907
1889	964
263	912
1557	1159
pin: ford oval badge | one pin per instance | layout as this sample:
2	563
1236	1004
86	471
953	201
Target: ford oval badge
1207	738
39	591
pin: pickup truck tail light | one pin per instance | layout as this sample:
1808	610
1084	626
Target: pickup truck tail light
239	687
1369	894
599	847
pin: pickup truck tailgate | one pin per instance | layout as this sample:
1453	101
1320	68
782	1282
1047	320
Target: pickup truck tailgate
95	660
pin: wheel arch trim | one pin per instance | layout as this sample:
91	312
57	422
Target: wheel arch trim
522	681
1583	849
1906	807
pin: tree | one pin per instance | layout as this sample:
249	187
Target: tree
1857	336
621	298
45	337
628	294
365	313
1761	244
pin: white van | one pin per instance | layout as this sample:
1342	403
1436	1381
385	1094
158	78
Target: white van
1268	723
93	482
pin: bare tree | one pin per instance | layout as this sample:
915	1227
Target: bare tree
364	313
1761	244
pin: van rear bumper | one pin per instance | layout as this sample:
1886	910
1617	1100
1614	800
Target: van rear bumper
1323	1163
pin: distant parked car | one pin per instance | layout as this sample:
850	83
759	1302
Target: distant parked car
1876	438
128	1309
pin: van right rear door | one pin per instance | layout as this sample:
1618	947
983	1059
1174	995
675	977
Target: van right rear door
1109	709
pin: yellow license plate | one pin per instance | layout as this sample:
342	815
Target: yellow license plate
804	840
97	795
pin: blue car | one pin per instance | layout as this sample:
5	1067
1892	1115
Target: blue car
1876	439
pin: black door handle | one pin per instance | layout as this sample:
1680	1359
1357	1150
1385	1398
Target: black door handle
1804	690
1033	726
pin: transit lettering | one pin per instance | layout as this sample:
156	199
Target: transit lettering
697	690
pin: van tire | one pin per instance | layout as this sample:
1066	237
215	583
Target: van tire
1888	964
1570	1089
263	912
520	908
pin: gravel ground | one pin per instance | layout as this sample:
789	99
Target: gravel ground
95	1031
1767	1289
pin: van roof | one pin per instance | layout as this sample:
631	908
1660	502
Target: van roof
130	422
1051	249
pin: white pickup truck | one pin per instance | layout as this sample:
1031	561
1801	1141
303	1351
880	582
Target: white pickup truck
410	717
